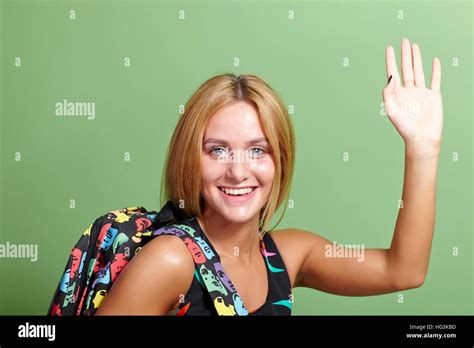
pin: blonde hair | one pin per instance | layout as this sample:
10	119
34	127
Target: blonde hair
181	180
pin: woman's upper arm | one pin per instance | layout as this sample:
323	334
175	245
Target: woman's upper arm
153	280
313	262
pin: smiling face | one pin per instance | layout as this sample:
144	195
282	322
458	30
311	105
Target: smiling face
237	164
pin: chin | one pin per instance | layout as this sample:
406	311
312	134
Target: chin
238	218
235	214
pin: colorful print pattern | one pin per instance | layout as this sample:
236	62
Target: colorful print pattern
106	247
227	301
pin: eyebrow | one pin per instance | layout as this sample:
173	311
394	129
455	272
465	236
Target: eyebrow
222	141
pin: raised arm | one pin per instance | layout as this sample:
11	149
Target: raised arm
416	112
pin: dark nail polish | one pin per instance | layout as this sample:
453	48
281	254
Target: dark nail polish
389	79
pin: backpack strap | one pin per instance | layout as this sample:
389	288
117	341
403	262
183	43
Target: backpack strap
209	270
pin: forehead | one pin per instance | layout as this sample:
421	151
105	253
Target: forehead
234	122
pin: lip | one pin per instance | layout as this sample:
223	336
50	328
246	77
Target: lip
238	199
237	187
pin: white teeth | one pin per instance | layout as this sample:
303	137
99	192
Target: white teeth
239	192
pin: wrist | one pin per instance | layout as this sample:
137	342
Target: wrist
423	149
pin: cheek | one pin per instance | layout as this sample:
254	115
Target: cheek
265	171
210	171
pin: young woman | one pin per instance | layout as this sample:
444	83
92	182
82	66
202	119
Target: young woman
229	167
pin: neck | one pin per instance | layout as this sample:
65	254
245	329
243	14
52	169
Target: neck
234	242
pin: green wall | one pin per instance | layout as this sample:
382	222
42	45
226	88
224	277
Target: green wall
336	109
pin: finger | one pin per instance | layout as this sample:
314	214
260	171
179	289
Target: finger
389	89
407	66
436	75
418	66
389	96
391	64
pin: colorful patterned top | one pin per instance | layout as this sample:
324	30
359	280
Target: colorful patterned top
279	296
107	246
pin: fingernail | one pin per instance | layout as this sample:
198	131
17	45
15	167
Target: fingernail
389	79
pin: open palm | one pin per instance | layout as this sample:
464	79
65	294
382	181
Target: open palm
414	110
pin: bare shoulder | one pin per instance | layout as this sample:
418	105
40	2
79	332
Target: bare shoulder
294	246
172	251
153	281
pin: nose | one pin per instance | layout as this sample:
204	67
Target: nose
238	168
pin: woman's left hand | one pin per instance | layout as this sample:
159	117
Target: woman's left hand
414	110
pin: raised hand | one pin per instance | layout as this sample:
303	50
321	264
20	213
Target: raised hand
414	110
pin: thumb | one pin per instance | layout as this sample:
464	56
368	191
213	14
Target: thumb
390	84
388	94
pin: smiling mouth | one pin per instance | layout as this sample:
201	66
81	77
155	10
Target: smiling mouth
237	191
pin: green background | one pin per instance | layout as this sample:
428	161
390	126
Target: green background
336	110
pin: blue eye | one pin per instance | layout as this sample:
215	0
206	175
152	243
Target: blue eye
257	153
217	150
